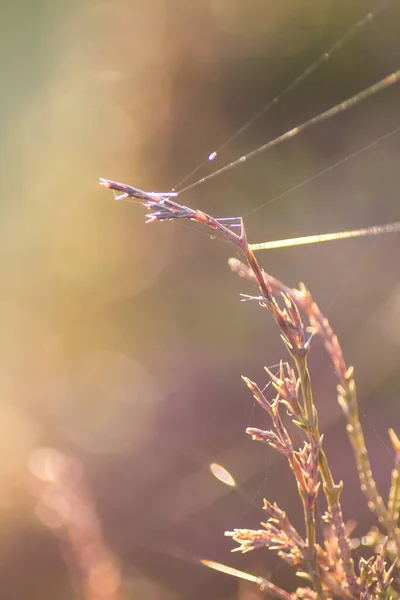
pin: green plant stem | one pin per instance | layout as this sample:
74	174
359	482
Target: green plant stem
314	572
347	399
394	495
332	491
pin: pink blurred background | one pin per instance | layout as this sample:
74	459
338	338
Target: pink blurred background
122	344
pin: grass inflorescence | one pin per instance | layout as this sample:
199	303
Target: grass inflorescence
327	567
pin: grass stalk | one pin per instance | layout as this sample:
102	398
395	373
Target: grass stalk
330	567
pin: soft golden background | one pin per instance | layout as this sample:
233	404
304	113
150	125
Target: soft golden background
122	344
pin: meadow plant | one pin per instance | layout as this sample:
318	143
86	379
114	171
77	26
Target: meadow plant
327	566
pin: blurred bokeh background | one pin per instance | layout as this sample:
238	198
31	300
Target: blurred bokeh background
122	344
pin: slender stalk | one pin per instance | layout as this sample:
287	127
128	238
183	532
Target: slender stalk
347	398
273	590
314	572
394	492
332	491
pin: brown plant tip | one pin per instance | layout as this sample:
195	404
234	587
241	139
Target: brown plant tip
291	324
279	517
104	182
128	190
395	441
287	385
280	440
374	578
258	395
249	539
278	535
288	319
324	330
308	460
270	438
273	409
